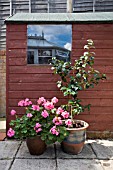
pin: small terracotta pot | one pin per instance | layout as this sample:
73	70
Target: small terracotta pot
35	145
74	143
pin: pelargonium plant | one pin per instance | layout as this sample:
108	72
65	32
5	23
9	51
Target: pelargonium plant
42	119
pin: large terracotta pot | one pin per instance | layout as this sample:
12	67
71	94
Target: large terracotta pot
35	145
73	144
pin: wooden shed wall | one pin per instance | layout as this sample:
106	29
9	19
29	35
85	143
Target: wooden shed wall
35	81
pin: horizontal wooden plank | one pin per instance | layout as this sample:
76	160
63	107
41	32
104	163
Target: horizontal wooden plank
31	69
36	78
101	127
92	27
34	94
99	61
17	61
108	53
51	86
26	78
93	102
15	27
98	35
17	35
17	44
17	53
99	44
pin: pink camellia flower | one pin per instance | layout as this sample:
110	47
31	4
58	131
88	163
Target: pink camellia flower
13	112
57	121
45	114
21	103
41	100
54	100
48	105
35	107
65	114
29	115
38	130
54	131
10	132
68	122
38	125
59	110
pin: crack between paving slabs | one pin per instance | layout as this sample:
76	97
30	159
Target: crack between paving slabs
55	157
15	156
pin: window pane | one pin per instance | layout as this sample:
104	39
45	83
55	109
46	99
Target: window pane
30	57
45	60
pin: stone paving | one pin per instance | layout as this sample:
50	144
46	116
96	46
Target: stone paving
96	155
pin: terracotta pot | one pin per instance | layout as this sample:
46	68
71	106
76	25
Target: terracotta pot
73	144
35	145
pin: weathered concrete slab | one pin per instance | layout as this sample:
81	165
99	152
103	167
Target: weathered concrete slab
107	164
103	149
86	153
34	164
5	164
78	164
8	149
24	153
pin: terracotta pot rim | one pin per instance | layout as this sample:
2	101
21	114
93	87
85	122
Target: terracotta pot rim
86	125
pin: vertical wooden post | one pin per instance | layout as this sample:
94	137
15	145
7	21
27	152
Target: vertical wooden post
69	6
10	7
29	6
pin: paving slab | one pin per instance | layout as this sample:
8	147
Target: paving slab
34	164
5	164
103	149
24	153
107	164
78	164
8	149
86	153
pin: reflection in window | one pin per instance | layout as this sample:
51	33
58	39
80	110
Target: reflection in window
43	52
45	60
30	57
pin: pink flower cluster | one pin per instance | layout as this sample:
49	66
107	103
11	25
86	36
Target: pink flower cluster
45	114
65	114
49	105
13	112
54	100
25	102
57	121
68	122
54	131
35	107
41	100
29	115
59	111
10	132
37	127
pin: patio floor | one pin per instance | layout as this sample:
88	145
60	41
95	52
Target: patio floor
96	155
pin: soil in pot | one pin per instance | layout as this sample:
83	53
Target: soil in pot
35	145
74	143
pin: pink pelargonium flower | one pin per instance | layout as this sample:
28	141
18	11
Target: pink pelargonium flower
65	114
35	107
21	103
27	102
59	110
54	100
29	115
68	122
38	130
57	121
54	131
13	112
45	114
10	132
38	125
41	100
48	105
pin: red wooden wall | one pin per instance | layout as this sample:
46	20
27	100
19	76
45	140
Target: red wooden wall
35	81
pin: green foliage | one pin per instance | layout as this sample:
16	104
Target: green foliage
76	77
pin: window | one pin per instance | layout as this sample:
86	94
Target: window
47	41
